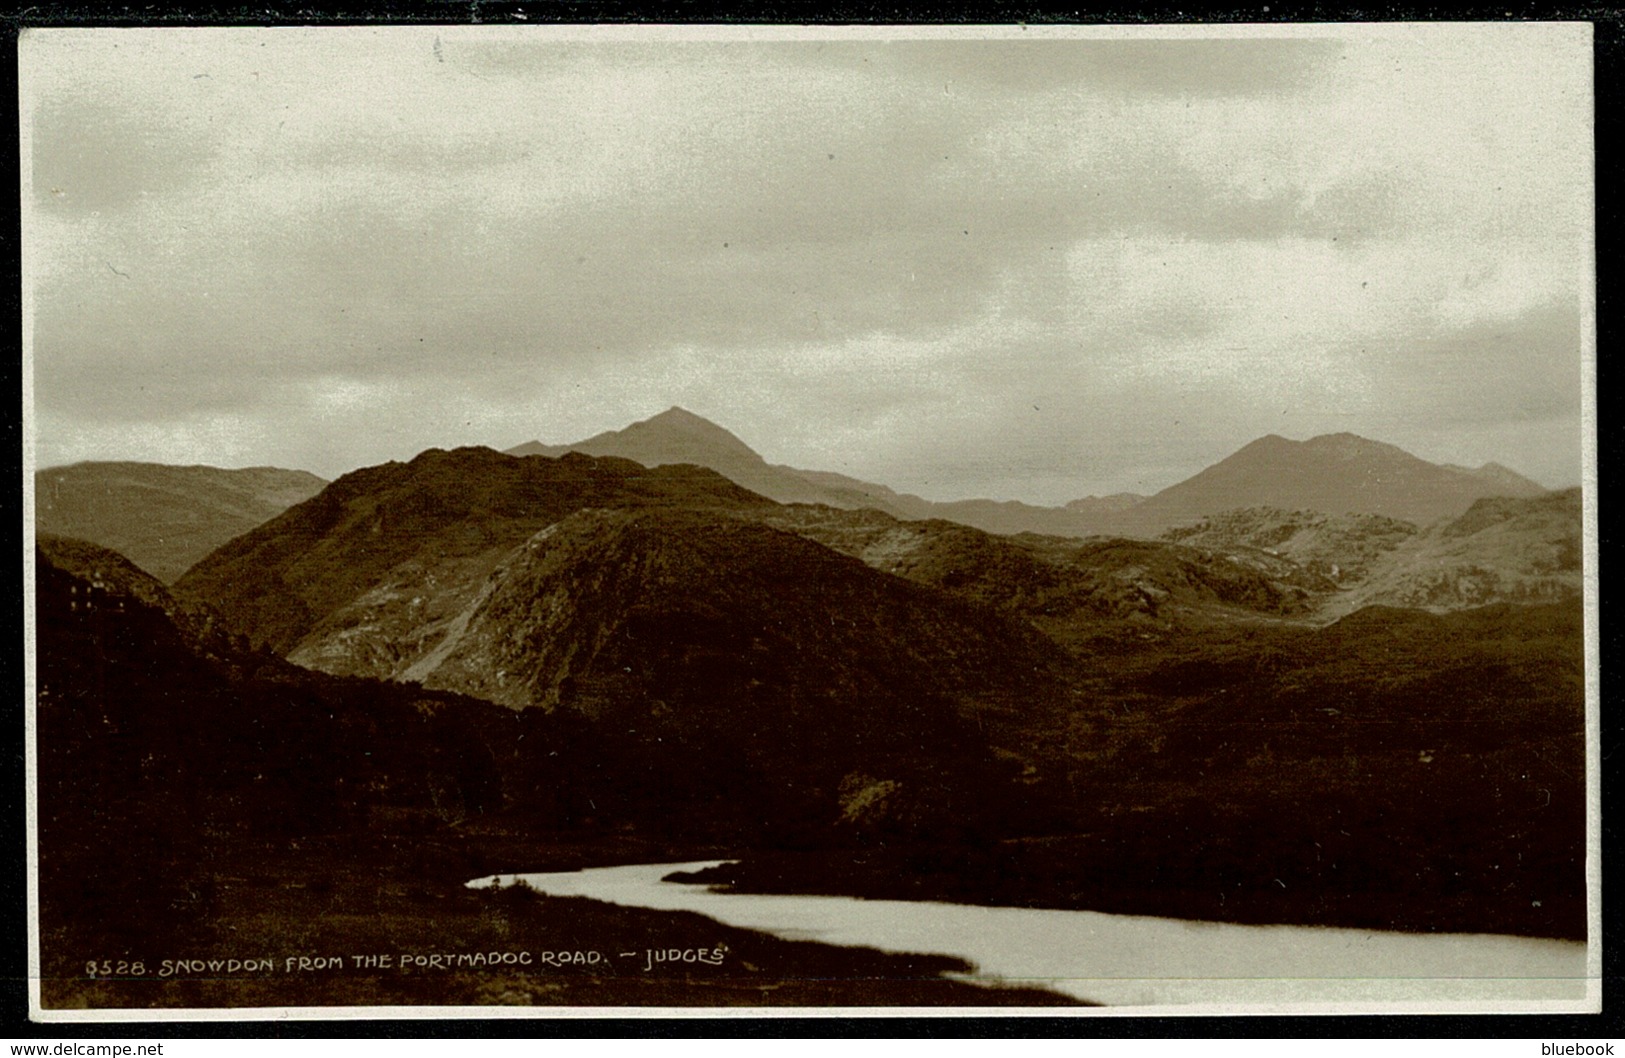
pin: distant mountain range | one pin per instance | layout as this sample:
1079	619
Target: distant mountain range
501	576
679	436
163	518
1336	474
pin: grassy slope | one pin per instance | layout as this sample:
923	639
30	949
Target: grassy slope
164	518
1395	770
470	505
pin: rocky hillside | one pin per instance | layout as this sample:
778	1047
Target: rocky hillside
781	668
707	629
639	596
163	518
1500	550
407	544
1342	548
1074	590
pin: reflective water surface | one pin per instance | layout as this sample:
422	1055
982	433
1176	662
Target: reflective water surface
1135	960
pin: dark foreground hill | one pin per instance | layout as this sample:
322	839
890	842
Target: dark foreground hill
1438	755
106	572
159	740
789	675
757	681
163	518
1395	770
429	530
203	808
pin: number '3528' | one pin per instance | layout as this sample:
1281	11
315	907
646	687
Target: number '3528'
108	968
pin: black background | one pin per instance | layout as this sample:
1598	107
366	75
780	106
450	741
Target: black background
1609	29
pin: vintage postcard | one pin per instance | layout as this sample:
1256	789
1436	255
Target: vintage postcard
537	520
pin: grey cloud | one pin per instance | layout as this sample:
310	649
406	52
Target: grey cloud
1368	206
93	157
403	153
826	223
806	258
1167	67
1491	371
831	229
1021	431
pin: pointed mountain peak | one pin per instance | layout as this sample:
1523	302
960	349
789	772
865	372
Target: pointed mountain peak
1346	442
1343	442
1341	447
1268	443
1507	480
678	414
676	435
1350	447
1335	473
680	424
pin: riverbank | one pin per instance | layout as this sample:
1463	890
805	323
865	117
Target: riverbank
352	922
1188	872
1128	960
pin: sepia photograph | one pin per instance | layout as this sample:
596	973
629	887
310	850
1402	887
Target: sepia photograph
578	520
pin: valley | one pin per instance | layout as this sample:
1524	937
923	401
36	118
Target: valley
164	518
475	663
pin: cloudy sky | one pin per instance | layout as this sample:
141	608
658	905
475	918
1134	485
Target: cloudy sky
1033	267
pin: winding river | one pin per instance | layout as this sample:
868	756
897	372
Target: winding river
1132	960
